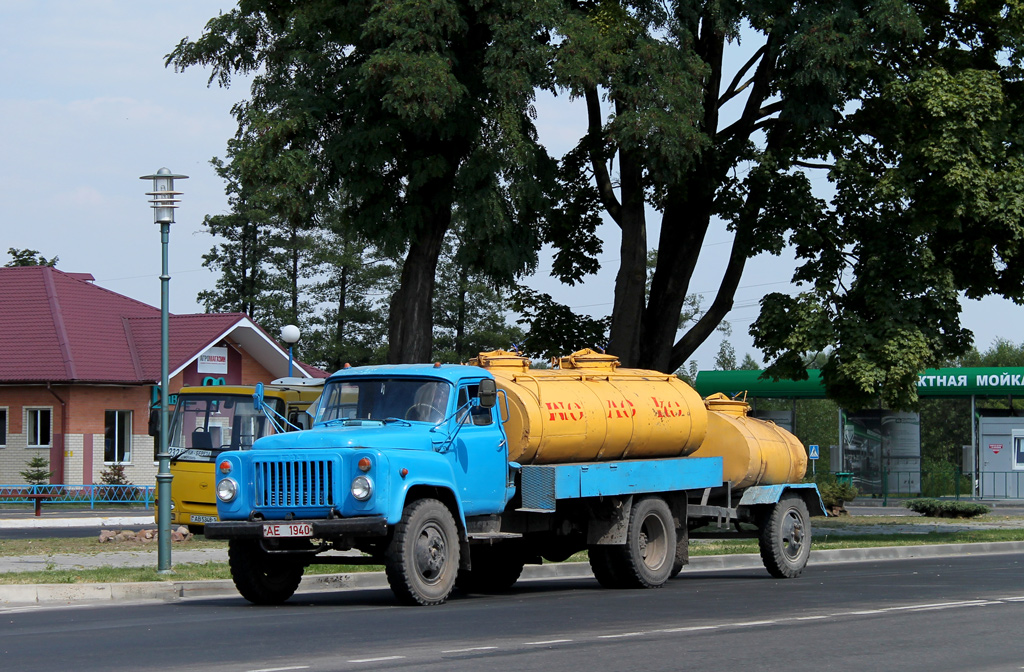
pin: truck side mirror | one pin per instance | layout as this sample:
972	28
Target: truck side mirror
488	393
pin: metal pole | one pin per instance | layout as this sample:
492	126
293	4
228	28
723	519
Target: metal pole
289	361
163	476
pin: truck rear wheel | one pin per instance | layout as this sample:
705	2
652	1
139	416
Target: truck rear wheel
496	568
260	577
422	560
649	554
785	537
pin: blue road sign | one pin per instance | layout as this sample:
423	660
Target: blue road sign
813	450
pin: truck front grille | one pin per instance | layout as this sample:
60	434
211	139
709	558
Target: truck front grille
295	483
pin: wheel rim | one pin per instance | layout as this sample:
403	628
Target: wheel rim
792	535
431	553
653	542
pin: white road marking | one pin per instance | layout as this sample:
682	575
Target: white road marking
624	634
282	669
472	648
376	660
549	641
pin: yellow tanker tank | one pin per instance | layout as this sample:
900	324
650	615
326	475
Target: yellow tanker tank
590	410
753	452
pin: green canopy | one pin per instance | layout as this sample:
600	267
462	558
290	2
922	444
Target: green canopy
981	382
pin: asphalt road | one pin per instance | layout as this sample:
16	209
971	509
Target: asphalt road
930	614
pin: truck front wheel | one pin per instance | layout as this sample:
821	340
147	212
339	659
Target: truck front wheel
422	560
259	576
785	537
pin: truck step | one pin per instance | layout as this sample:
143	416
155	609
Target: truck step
494	536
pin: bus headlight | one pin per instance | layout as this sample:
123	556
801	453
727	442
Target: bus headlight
227	489
362	488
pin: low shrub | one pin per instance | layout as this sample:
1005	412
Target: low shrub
938	508
834	493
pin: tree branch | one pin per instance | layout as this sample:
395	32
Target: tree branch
756	122
734	86
595	146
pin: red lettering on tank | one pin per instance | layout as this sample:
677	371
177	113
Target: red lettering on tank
624	409
560	410
668	409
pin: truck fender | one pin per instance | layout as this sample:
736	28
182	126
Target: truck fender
771	494
428	475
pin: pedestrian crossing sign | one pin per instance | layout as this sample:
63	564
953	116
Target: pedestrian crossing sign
813	450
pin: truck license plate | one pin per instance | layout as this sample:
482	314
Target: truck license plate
202	519
288	530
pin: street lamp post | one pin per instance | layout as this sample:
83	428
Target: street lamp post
163	204
290	334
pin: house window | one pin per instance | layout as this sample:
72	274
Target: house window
1018	452
3	427
38	421
117	444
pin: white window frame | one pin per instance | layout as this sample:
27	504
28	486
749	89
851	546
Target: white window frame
127	439
1016	447
32	424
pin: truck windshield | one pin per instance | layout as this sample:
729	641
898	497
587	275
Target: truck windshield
383	398
203	425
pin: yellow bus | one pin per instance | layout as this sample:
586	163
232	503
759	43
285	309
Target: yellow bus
210	420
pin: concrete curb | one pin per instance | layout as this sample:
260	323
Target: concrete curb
169	591
94	521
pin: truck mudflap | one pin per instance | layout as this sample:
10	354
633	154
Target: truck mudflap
771	494
364	526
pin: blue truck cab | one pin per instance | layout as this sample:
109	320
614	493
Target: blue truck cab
408	466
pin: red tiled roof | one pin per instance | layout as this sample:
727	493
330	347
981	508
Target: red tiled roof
59	327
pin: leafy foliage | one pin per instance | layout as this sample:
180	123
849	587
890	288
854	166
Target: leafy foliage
28	258
937	508
554	329
409	110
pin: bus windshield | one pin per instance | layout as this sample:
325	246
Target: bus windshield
203	425
384	398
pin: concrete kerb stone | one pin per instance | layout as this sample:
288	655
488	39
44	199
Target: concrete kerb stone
168	591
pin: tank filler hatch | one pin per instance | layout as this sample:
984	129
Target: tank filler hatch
589	359
720	403
501	359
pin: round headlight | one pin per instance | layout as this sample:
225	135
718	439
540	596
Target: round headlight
226	490
362	488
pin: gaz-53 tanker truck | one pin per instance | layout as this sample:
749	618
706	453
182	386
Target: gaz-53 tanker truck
459	475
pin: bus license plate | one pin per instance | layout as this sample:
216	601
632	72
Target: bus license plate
288	530
202	519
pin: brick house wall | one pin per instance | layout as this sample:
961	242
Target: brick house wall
77	453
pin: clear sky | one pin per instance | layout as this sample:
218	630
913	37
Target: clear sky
87	106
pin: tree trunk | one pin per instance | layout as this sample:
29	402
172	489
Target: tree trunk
631	280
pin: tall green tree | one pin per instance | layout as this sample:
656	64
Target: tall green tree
908	110
412	108
470	311
28	257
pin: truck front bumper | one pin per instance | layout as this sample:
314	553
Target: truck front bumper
368	526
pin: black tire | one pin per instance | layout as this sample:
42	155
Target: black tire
650	550
260	577
649	554
496	568
785	537
682	557
605	566
422	560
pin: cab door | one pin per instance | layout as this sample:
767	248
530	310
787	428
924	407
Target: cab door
481	453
